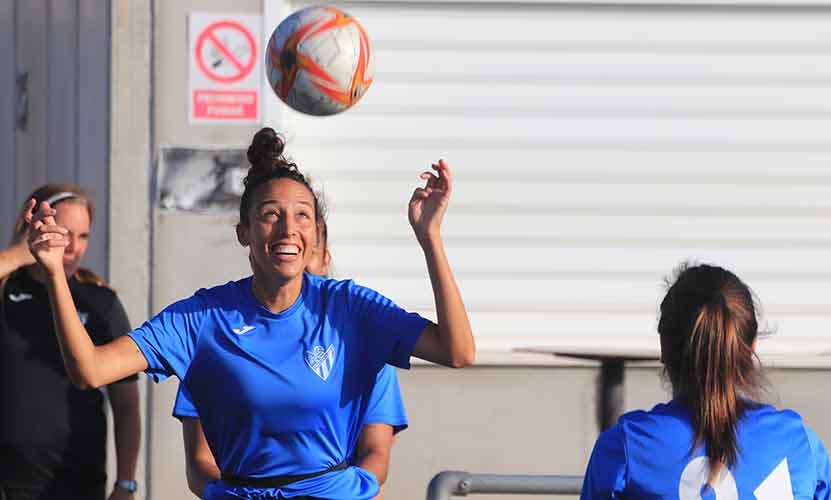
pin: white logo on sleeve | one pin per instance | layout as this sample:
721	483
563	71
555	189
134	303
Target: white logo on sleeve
321	361
84	317
20	297
242	331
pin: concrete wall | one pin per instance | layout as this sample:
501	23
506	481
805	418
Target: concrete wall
184	244
130	175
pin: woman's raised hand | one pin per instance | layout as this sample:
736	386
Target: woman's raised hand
428	203
46	239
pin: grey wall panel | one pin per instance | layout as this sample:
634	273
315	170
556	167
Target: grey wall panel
7	125
62	131
32	56
63	45
93	119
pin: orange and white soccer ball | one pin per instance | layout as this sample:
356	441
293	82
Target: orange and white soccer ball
319	61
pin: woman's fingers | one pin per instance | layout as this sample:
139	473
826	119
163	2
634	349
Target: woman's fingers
437	182
52	239
44	232
444	174
432	180
421	193
28	209
60	231
44	215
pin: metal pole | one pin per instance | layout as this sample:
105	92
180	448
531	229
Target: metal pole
448	483
444	484
610	395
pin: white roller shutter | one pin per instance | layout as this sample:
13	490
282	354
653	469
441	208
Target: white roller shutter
595	147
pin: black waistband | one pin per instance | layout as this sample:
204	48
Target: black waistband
276	481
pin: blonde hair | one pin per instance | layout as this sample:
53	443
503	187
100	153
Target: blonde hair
57	194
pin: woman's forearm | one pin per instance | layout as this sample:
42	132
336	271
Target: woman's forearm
87	365
376	462
200	464
13	258
77	348
124	399
199	473
454	332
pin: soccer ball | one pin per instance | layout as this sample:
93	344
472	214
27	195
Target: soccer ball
319	61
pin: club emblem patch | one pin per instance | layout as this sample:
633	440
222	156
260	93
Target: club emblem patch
321	360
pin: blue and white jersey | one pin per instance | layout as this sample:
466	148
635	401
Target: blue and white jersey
648	455
282	394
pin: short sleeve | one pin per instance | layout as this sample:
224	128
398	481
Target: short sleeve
390	331
606	473
168	340
118	325
821	464
386	406
184	407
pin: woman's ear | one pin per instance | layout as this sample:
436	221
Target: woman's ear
242	235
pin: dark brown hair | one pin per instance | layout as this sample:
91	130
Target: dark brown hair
708	325
75	194
268	163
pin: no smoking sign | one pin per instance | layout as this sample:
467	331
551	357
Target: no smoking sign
225	70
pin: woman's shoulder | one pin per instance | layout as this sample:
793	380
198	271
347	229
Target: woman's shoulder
230	291
663	419
671	410
224	296
335	286
767	420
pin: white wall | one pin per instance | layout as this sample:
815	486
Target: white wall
594	147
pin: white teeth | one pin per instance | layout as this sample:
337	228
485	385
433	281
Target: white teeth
287	249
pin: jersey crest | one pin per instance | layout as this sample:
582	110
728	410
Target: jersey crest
321	360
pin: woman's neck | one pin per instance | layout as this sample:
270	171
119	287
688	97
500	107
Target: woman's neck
274	294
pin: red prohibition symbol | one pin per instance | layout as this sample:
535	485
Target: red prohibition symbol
238	43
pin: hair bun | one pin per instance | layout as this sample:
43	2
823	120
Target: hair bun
266	147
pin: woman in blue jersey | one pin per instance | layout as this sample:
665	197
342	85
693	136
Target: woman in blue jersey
713	439
385	415
277	364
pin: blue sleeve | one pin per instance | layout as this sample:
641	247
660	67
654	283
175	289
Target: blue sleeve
821	464
184	407
390	331
167	340
606	473
386	406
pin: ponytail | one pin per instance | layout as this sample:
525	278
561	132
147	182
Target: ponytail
708	326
